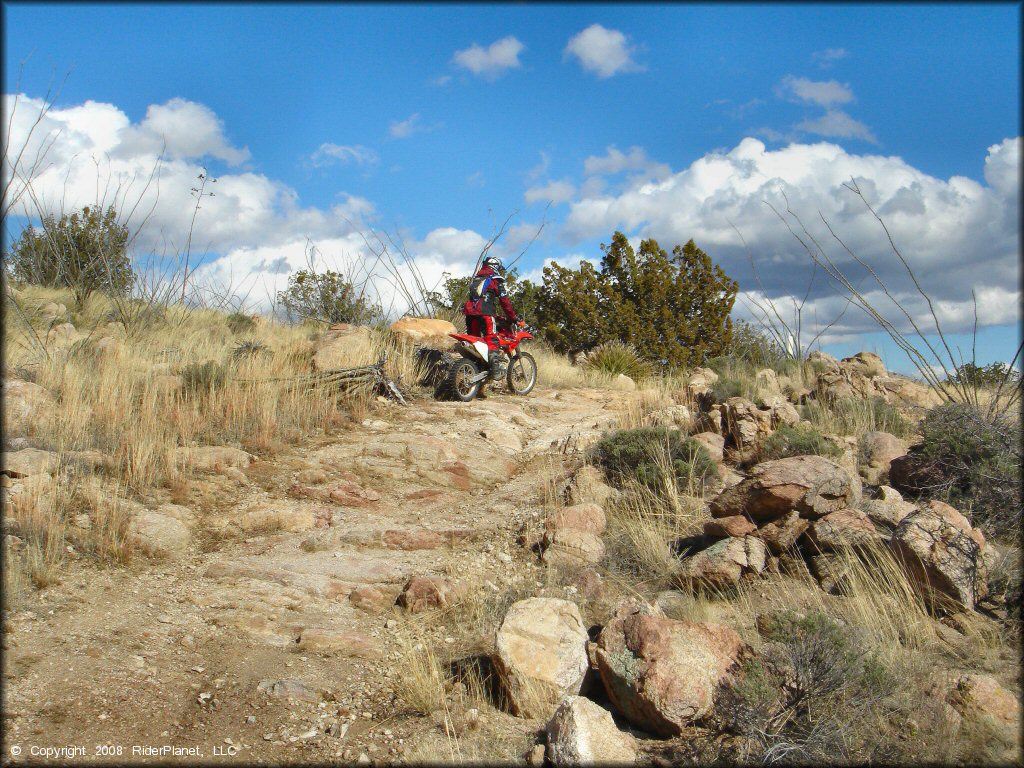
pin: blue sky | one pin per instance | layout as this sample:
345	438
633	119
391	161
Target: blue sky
321	121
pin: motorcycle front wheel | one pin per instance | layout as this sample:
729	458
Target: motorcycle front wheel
460	384
522	374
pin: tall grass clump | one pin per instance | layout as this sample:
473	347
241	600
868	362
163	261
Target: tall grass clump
554	370
855	417
643	528
614	358
136	400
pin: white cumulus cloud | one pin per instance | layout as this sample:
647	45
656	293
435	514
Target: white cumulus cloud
954	233
189	131
605	52
492	61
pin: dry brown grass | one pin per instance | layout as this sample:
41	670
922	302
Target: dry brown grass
878	598
130	403
643	527
177	381
555	371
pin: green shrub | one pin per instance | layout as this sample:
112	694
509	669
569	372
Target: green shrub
203	378
986	376
614	358
248	348
727	387
797	440
674	308
754	347
818	694
239	323
646	454
327	297
86	251
979	461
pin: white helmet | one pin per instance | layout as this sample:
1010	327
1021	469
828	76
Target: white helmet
494	263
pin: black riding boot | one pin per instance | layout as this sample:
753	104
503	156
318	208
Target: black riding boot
496	364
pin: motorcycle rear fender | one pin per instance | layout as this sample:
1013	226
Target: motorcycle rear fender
476	349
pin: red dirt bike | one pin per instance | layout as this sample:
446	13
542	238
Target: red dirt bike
471	371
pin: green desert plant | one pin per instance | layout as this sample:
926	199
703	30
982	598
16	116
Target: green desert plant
85	251
819	694
797	440
239	323
646	453
673	308
976	462
614	358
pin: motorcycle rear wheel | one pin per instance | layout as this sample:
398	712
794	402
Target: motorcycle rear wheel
522	374
459	385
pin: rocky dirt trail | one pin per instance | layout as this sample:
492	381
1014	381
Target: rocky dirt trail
273	638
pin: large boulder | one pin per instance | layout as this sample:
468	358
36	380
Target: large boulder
822	360
159	536
345	346
572	548
810	485
863	376
980	694
29	461
663	674
879	449
944	562
901	390
745	422
700	381
583	733
425	331
582	517
748	424
672	416
865	364
541	654
723	563
842	530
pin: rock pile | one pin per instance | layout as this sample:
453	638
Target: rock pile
863	376
813	506
659	674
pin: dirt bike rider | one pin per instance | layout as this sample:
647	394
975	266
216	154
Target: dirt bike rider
486	290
